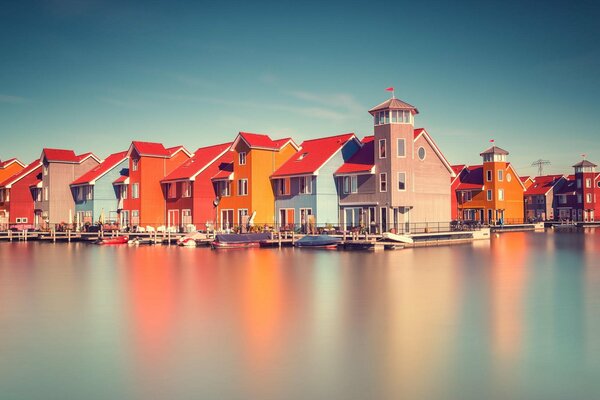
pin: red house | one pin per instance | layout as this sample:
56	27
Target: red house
189	191
16	200
144	199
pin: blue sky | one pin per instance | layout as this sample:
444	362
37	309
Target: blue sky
94	75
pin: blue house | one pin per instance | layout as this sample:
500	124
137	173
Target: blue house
305	186
96	198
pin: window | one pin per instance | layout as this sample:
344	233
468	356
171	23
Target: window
45	170
350	184
22	220
402	181
186	189
3	197
508	177
562	199
134	164
383	182
588	183
38	194
579	198
401	148
488	176
305	185
224	188
135	217
500	194
241	213
578	183
382	148
283	186
500	175
135	191
186	217
242	189
588	198
490	195
89	192
79	193
467	196
421	153
393	116
171	190
46	193
242	158
123	192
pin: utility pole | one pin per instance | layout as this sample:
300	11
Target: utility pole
540	165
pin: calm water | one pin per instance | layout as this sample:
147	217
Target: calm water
517	318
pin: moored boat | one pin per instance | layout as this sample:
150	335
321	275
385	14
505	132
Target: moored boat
114	240
239	241
317	242
396	238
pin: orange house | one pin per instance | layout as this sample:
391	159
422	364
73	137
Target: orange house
9	168
490	193
247	189
143	198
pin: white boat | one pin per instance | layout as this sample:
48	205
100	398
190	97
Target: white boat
190	239
397	238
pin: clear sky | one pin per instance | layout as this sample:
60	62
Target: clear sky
94	75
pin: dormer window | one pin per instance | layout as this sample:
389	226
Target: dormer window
393	116
302	156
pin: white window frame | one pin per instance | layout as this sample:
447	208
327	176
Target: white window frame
45	189
135	191
186	189
89	193
588	198
134	164
241	212
172	190
242	187
500	175
186	216
379	142
283	187
588	182
350	184
490	195
424	153
489	174
305	185
242	158
124	192
403	141
383	180
405	185
500	194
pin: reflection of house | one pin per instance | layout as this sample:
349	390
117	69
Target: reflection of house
540	200
399	176
54	202
247	189
491	192
16	200
305	185
189	189
144	202
95	196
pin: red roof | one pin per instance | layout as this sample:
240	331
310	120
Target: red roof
524	178
150	149
473	179
312	155
21	174
569	187
542	184
60	155
458	168
203	157
4	164
121	180
99	170
83	156
362	161
261	141
225	167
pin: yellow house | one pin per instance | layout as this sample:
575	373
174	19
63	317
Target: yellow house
246	188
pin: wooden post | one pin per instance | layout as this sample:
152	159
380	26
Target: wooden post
293	240
68	235
53	234
9	235
279	238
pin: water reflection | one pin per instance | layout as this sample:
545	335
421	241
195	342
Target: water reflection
518	317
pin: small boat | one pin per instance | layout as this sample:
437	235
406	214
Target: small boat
114	240
318	242
396	238
239	240
189	240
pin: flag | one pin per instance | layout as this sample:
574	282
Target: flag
492	140
390	89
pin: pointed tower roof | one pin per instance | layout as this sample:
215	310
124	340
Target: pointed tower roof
494	150
394	104
584	164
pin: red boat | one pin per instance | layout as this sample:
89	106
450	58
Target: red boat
114	240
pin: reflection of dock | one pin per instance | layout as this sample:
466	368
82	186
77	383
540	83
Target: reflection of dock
518	227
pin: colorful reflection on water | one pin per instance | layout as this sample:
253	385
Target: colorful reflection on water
517	317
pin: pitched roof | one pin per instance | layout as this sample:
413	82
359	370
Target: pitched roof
362	161
542	184
569	186
7	183
122	180
585	163
6	163
394	104
90	177
524	178
60	155
149	149
261	141
473	179
225	168
203	157
458	168
494	150
313	154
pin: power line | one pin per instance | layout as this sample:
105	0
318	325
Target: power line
540	165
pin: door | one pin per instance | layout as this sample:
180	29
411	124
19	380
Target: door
124	218
304	219
372	220
384	223
490	216
173	218
226	219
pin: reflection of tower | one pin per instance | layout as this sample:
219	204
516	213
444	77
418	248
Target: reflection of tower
585	174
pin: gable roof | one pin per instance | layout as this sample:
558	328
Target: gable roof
457	169
225	168
261	141
4	164
363	161
123	179
32	167
394	104
422	132
149	149
543	184
90	177
202	159
473	179
313	154
59	155
569	186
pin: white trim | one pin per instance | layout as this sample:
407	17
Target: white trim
19	177
359	203
16	160
436	149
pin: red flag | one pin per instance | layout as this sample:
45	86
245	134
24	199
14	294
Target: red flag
390	89
491	140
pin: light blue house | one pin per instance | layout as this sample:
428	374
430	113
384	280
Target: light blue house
96	198
305	186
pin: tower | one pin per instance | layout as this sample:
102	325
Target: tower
585	174
495	177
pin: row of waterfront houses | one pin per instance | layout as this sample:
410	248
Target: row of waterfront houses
391	180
